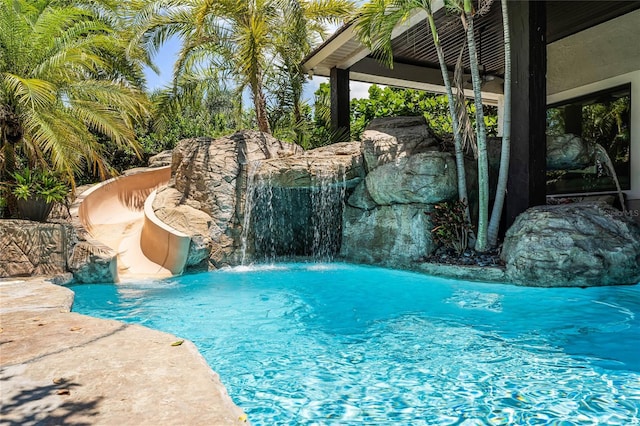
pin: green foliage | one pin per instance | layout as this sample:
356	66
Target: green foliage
39	184
321	133
256	44
312	129
451	227
606	123
174	119
393	102
66	79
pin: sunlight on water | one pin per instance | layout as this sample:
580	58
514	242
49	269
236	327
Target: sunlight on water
333	343
254	268
323	267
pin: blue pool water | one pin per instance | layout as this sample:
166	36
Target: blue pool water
350	345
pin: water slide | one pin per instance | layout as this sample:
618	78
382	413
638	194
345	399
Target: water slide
118	213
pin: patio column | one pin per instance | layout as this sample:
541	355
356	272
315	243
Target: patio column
340	115
527	168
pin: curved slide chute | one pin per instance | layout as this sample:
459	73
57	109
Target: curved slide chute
118	213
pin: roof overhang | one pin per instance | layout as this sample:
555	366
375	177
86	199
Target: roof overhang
343	49
415	61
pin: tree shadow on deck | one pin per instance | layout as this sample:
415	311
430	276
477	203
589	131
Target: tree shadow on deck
45	405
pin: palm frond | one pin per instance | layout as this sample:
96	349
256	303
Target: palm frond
464	121
31	92
66	75
375	23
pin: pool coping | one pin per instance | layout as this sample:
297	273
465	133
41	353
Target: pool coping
487	274
62	367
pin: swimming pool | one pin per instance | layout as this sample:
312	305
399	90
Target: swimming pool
342	344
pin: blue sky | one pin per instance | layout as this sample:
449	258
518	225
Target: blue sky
167	55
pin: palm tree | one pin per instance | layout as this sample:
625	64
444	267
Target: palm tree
501	189
467	14
304	27
487	233
244	38
65	82
374	27
199	104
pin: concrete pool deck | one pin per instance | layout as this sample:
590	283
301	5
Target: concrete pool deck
59	367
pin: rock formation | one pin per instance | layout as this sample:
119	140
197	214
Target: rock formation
568	152
425	178
92	263
392	235
161	159
581	244
249	196
32	248
384	220
303	170
209	178
388	139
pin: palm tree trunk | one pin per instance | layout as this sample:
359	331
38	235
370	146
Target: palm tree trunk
501	189
7	168
260	105
483	165
457	137
10	135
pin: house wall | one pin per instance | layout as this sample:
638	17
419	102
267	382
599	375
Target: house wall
596	59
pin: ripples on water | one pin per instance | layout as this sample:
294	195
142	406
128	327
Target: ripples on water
340	344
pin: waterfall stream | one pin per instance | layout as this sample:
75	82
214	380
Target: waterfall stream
249	197
289	222
327	204
602	156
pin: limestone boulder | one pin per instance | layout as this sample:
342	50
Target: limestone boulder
184	218
387	235
338	163
388	139
568	152
93	263
161	159
361	199
581	244
427	178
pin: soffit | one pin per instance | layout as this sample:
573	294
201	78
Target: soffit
565	18
414	46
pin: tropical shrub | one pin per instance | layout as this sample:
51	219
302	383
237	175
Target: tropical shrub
41	184
451	227
393	102
67	80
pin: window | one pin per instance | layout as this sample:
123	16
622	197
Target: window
588	139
